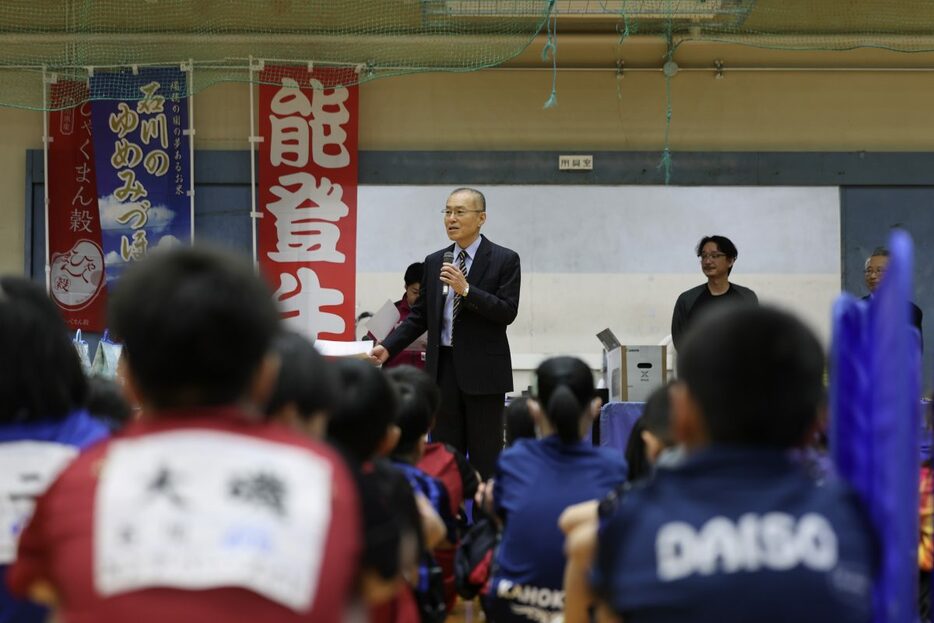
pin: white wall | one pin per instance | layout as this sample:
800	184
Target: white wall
599	256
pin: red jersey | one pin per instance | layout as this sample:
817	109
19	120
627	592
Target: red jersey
197	516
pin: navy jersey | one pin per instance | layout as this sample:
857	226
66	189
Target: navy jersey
434	490
535	481
737	534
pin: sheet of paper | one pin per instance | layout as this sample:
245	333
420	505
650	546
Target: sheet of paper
330	348
383	320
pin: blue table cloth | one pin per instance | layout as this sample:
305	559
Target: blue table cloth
616	422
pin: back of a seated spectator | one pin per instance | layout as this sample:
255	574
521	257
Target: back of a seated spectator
200	510
740	532
306	389
536	479
362	425
445	463
42	422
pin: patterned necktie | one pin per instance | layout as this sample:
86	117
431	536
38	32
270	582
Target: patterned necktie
462	264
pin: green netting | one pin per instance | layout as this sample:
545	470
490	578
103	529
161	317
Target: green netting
898	25
375	38
368	38
812	25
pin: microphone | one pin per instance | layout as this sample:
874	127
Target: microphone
448	259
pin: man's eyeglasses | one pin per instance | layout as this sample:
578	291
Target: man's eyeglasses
711	256
459	213
875	271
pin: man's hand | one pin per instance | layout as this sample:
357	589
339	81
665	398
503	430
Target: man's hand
379	355
452	275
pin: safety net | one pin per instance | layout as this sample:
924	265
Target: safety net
71	41
235	40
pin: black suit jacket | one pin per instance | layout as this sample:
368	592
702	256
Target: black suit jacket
481	350
917	318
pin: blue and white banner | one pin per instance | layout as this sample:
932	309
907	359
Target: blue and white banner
141	149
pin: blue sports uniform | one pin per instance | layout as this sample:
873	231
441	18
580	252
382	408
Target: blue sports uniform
51	439
535	481
737	534
436	493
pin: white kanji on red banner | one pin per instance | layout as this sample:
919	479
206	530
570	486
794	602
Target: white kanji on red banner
301	298
305	217
309	189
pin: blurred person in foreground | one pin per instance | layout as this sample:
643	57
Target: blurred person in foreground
200	510
43	425
740	531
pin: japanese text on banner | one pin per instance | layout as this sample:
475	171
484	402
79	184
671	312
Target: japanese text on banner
308	190
142	154
76	260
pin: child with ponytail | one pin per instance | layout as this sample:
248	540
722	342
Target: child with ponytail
535	480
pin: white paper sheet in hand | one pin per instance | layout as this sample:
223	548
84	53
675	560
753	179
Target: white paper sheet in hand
383	321
330	348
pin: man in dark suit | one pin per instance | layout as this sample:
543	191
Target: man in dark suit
468	353
876	265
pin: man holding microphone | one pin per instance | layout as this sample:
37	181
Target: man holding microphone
465	312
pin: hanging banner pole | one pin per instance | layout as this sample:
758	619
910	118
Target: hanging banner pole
190	133
254	139
45	175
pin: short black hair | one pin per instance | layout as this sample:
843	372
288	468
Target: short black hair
724	244
306	378
656	420
657	415
366	407
107	403
564	387
519	422
413	274
756	373
423	383
637	462
413	416
195	324
42	376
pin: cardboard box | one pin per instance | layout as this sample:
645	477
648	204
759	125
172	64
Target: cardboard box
634	372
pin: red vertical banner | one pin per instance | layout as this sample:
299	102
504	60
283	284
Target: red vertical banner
307	236
77	283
